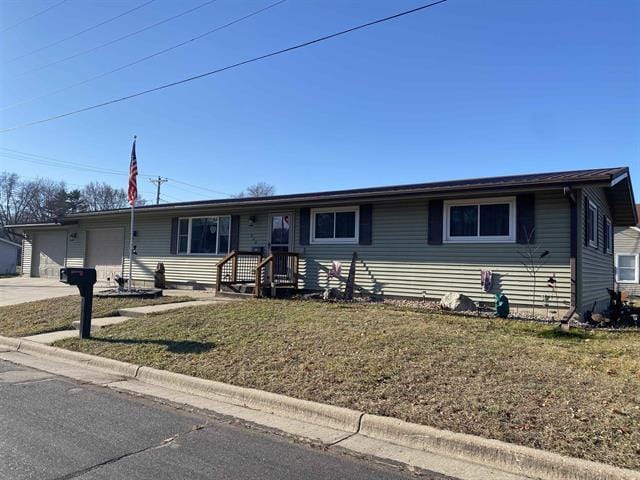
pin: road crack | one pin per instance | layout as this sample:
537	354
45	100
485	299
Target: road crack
164	443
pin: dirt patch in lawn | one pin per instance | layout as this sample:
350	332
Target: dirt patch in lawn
576	394
57	313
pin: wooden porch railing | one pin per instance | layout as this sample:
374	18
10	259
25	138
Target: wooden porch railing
237	268
280	269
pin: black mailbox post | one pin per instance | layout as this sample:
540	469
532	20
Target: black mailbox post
84	278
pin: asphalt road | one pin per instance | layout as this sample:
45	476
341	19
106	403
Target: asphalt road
55	428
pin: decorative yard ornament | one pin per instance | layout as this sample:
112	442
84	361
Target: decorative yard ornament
336	269
502	305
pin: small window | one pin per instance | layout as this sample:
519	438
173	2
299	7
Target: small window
203	235
482	220
627	268
592	224
334	225
608	236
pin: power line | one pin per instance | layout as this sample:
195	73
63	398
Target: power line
140	60
65	164
196	186
77	34
228	67
111	42
37	14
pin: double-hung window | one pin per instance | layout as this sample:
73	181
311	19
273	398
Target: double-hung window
335	225
627	268
204	235
480	220
592	224
608	235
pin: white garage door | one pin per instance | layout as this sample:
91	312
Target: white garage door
104	252
49	251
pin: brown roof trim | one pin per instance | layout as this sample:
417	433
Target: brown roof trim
602	176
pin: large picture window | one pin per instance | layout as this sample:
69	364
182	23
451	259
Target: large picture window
482	220
627	268
335	225
204	235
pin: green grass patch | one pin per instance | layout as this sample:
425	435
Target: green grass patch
57	313
520	382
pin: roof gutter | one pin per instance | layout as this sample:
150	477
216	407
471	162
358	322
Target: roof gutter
338	197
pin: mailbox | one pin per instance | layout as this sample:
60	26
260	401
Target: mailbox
84	279
78	276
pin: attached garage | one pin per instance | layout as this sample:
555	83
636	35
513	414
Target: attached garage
104	251
48	254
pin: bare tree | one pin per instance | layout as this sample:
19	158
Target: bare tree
102	196
533	261
260	189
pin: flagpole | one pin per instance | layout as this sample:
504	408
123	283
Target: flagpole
131	244
133	207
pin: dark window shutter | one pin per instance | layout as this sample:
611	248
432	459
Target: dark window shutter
365	224
526	218
434	234
305	219
234	242
174	236
586	221
613	236
605	239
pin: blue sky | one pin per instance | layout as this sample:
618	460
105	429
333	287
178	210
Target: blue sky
464	89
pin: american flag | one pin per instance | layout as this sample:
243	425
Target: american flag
133	175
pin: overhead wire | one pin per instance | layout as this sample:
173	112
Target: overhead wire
222	69
118	39
65	164
140	60
81	32
37	14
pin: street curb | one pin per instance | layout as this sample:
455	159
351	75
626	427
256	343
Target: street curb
10	343
317	413
513	458
505	456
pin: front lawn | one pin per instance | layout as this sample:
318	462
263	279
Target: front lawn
521	382
55	314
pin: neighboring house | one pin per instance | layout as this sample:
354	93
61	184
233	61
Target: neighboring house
8	256
418	241
627	260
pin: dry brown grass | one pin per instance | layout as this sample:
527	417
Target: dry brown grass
526	383
57	313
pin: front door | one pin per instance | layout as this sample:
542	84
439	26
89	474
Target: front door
280	239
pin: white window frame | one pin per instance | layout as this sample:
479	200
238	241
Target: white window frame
511	238
637	267
188	252
608	234
594	225
334	241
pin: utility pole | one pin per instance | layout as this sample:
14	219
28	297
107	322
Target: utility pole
159	181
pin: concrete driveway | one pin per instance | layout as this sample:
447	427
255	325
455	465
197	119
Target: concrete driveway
15	290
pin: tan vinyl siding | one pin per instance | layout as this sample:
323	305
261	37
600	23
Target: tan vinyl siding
153	245
595	267
627	240
26	257
399	261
